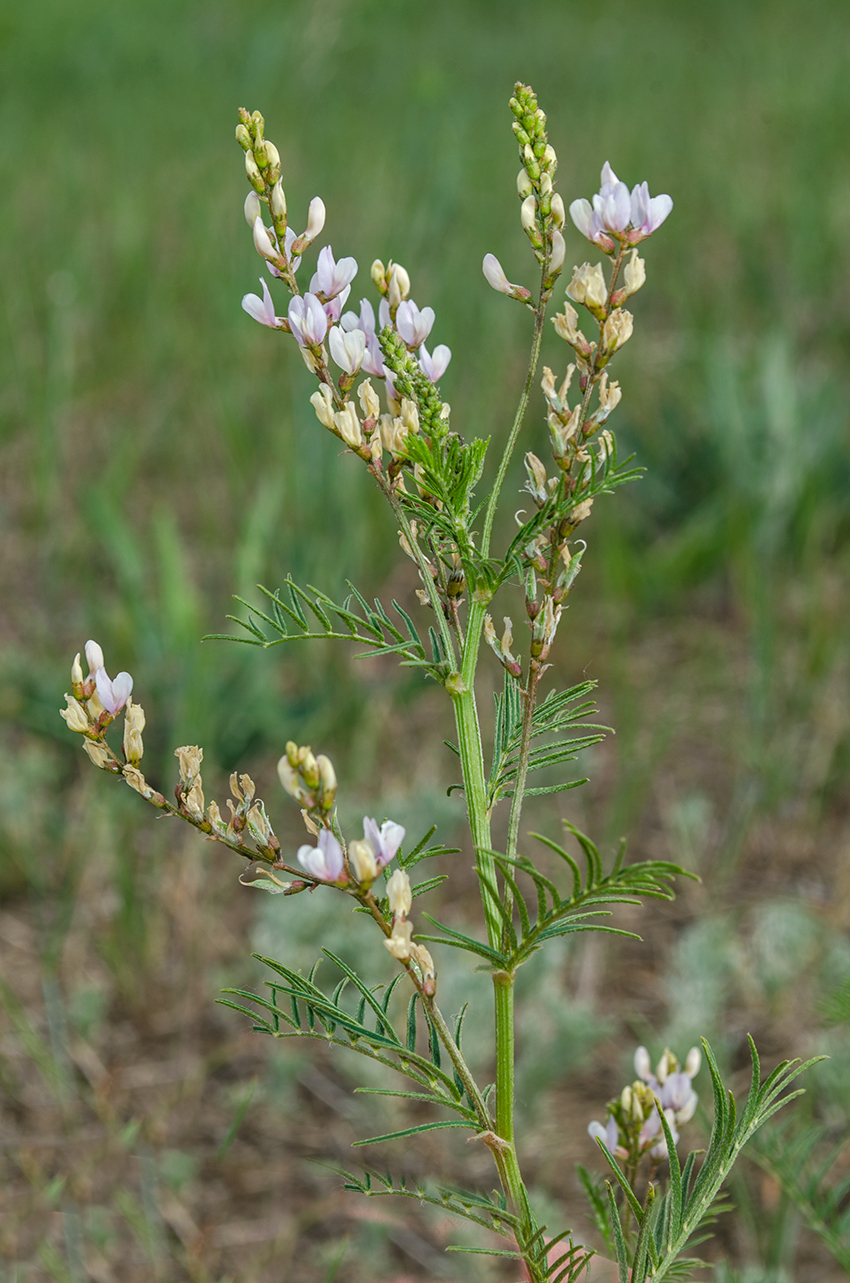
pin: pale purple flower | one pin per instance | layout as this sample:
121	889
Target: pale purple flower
262	309
347	349
385	840
643	1065
113	695
434	366
678	1095
384	318
612	205
617	211
609	1134
647	212
307	320
413	326
365	321
334	307
94	655
651	1129
331	277
323	861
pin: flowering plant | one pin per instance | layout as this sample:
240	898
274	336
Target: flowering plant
428	474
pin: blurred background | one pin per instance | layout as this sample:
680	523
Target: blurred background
159	454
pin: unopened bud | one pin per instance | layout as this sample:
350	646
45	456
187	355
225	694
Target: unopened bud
278	201
693	1062
556	207
523	184
309	767
292	782
528	213
77	671
272	163
252	170
94	656
327	782
559	253
243	137
399	285
379	275
361	857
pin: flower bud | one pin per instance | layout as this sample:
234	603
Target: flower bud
253	208
399	285
309	767
315	219
556	207
361	857
252	170
278	201
528	213
243	137
272	163
693	1062
559	253
134	724
94	656
76	672
523	184
327	782
399	893
379	275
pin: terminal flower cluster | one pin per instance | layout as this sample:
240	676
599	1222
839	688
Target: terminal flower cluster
633	1127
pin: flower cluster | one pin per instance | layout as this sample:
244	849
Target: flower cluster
542	208
633	1127
617	215
323	331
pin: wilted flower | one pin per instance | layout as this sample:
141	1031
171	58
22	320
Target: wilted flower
134	724
75	716
262	309
400	894
414	326
323	861
361	857
307	320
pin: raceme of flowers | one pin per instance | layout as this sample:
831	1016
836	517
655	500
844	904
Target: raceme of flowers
633	1127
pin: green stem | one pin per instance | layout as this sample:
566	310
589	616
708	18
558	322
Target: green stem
539	318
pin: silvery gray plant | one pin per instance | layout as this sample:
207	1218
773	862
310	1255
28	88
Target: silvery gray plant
652	1206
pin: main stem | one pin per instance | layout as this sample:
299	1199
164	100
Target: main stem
478	810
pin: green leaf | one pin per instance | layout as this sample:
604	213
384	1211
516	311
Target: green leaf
413	1131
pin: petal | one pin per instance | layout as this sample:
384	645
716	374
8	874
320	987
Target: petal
254	306
336	343
608	175
94	655
581	213
332	853
659	208
392	836
122	689
440	361
495	274
104	690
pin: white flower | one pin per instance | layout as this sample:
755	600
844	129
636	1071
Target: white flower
315	219
307	320
323	861
559	252
253	209
262	309
617	211
647	212
414	326
434	366
348	349
612	206
331	277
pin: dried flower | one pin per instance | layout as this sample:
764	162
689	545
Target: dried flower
134	724
399	893
75	716
399	942
98	753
